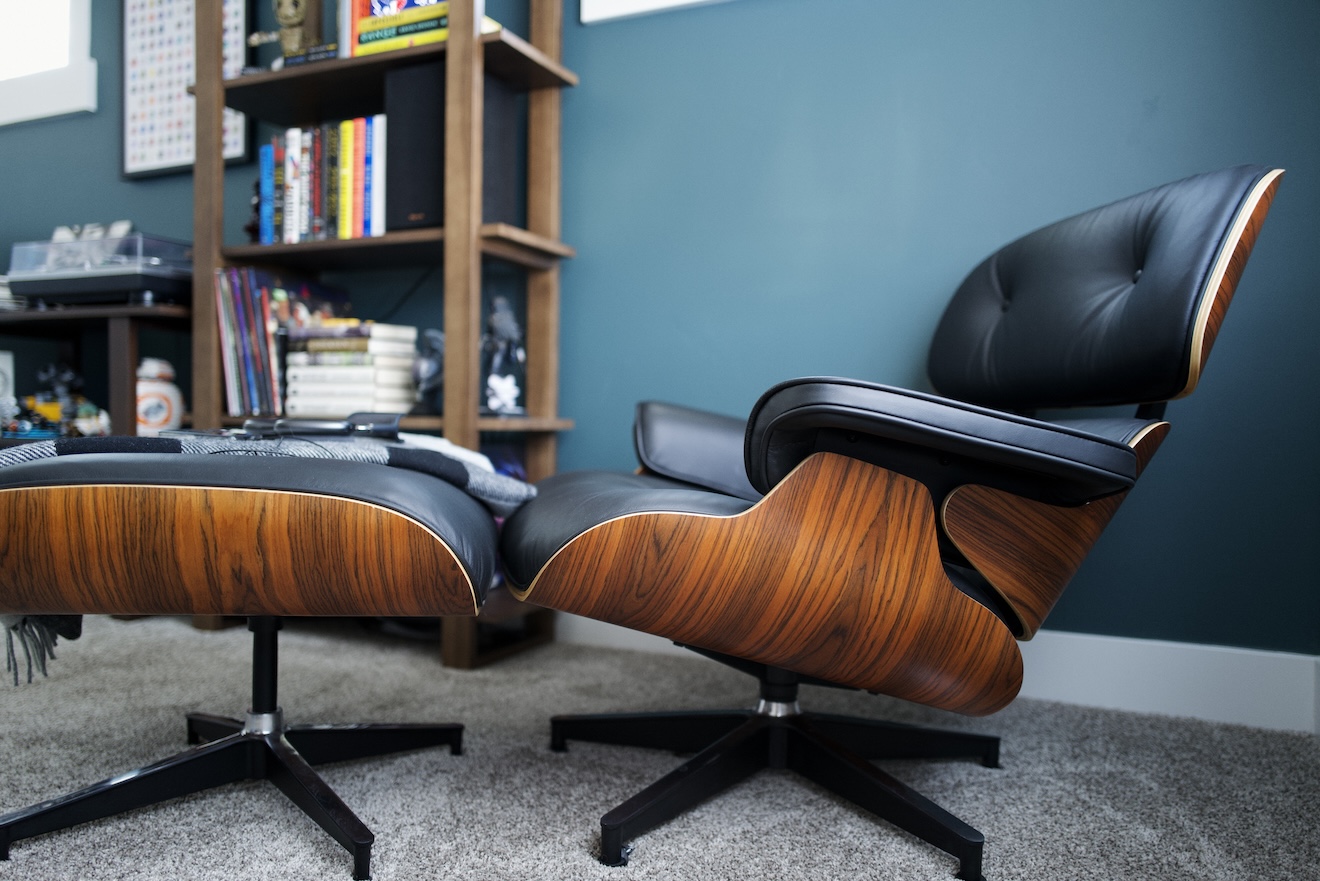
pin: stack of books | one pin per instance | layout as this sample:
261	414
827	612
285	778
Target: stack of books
385	25
341	367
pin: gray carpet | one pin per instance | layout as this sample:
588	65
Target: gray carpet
1081	794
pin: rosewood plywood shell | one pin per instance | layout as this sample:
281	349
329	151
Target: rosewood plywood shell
1030	550
116	549
1227	272
834	574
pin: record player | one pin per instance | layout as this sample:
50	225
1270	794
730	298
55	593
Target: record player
134	268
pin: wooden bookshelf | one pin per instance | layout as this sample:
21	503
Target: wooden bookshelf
345	88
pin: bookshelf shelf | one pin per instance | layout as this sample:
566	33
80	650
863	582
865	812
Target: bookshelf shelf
321	91
498	240
347	87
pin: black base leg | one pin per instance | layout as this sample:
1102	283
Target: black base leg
875	739
678	732
319	744
204	727
833	767
305	788
730	760
204	767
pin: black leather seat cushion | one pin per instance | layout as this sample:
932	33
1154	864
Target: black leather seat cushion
460	521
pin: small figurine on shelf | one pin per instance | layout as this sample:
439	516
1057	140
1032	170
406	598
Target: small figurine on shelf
504	362
300	28
429	373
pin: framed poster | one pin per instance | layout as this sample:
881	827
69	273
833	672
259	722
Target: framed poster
158	69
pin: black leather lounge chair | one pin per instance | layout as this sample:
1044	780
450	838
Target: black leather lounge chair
180	533
876	538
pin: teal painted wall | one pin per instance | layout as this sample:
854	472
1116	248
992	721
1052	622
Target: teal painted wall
762	189
768	188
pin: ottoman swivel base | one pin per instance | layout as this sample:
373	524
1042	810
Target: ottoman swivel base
229	750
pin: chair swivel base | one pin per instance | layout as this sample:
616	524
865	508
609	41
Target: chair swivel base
833	751
230	750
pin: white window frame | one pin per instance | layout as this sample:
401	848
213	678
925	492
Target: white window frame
68	89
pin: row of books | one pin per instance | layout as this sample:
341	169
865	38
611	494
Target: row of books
340	367
323	182
254	311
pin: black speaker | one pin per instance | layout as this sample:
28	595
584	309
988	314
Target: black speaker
415	148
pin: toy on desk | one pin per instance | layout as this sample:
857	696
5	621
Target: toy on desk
56	411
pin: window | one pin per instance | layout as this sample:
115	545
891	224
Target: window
46	68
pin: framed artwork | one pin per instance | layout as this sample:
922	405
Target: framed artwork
159	66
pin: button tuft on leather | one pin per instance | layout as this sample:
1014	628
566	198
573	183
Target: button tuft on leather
1136	276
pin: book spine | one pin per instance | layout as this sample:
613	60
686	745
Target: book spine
346	161
318	184
259	388
305	186
292	209
271	329
331	178
242	350
277	220
266	194
368	171
390	42
325	375
378	172
226	328
359	166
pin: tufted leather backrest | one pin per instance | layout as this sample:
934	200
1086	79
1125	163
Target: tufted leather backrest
1117	305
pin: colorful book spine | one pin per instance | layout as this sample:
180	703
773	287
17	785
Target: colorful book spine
347	157
378	171
266	194
359	166
292	184
368	175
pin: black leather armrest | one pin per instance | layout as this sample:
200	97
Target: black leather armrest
694	446
949	442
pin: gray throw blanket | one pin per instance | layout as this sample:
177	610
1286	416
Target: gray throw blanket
37	634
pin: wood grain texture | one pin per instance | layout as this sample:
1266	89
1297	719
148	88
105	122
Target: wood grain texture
464	111
1227	273
834	574
1029	551
152	550
208	397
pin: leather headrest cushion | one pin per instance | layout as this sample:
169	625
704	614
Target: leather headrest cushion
1095	310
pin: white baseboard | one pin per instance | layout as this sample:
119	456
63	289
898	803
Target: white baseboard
1275	690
